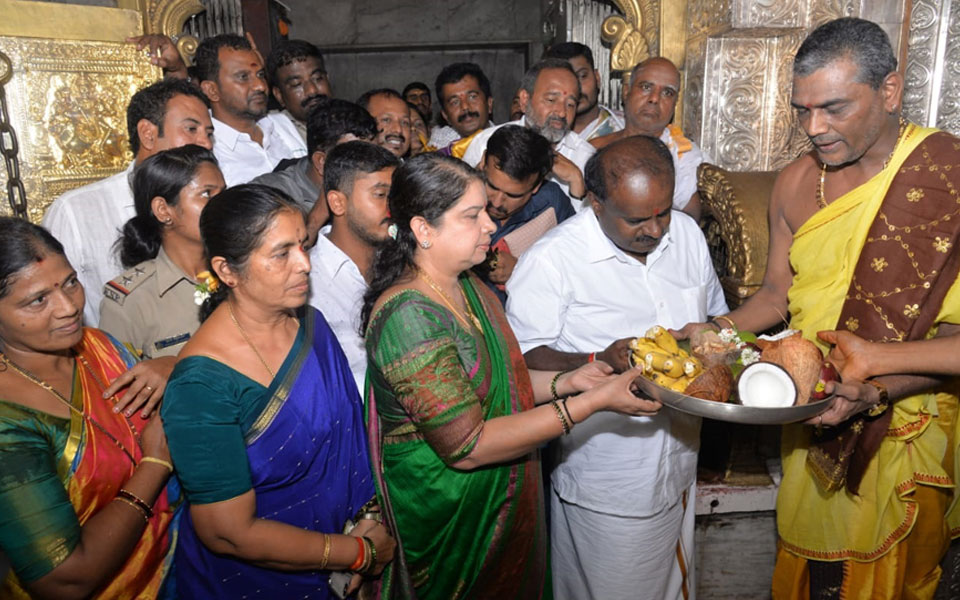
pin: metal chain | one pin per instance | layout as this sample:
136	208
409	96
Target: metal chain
9	147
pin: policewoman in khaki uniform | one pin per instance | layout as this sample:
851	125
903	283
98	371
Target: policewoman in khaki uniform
153	305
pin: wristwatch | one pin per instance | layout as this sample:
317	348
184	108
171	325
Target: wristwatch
883	404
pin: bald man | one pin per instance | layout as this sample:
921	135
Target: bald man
651	98
624	264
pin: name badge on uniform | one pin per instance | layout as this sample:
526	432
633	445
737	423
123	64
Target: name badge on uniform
171	341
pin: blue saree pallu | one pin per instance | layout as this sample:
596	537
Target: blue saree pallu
309	467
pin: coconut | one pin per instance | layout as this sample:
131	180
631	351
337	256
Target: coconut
766	385
800	357
714	384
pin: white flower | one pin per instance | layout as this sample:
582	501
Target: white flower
748	356
200	296
728	335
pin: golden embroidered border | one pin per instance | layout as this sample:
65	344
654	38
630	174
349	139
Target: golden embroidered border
895	536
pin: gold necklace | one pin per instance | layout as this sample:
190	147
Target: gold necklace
243	333
821	201
449	302
49	388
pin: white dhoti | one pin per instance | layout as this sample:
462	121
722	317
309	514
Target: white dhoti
597	556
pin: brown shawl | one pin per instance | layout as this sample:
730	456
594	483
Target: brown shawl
908	263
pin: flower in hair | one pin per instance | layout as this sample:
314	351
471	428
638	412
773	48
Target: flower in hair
208	285
392	230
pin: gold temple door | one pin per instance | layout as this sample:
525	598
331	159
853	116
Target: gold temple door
67	76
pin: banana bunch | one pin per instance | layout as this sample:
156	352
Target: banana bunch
664	362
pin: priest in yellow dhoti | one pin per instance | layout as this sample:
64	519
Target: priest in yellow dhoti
864	235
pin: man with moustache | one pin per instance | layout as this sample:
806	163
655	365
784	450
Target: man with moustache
863	238
249	142
521	203
651	98
356	179
466	103
87	221
616	269
330	122
390	111
593	119
549	94
298	80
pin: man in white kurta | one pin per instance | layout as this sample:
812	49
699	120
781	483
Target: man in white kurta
88	220
549	95
242	159
356	179
248	141
622	493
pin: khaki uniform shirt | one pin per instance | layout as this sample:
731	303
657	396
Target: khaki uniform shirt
151	307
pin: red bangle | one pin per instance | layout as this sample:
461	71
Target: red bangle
360	556
591	357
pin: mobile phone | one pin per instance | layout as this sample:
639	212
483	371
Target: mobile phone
340	582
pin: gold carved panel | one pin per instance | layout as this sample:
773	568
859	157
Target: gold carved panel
67	102
735	224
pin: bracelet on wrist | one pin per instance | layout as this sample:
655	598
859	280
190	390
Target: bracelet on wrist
372	554
567	410
716	321
157	461
563	419
553	384
883	403
146	518
127	495
361	555
326	552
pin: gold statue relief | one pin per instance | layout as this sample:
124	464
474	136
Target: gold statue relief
85	133
67	102
68	79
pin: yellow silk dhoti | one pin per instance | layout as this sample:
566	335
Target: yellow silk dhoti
894	531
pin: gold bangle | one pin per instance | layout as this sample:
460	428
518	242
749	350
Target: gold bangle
139	508
728	320
326	552
553	385
563	420
157	461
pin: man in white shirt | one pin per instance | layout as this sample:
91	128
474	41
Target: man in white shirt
549	94
623	492
298	80
651	99
248	142
87	221
593	119
356	178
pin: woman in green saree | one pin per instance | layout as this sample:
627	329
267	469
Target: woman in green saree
451	407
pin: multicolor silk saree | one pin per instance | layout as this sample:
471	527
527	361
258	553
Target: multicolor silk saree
431	385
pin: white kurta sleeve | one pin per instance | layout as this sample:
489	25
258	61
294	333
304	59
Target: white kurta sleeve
536	300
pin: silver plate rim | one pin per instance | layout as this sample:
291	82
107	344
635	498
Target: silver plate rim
732	413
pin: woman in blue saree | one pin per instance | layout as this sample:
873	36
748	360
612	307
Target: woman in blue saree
264	421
